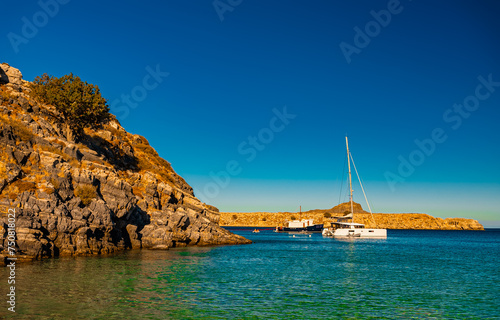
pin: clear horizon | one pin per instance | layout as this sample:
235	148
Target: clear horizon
250	101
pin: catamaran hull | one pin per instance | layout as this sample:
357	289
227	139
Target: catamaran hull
356	233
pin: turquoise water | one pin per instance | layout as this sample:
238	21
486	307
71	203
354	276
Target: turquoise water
411	274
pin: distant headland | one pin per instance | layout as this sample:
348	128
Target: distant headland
383	220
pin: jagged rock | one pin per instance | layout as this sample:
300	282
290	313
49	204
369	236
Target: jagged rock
42	127
48	221
9	74
23	102
7	136
64	189
73	152
139	200
135	241
154	237
21	157
13	172
101	215
83	176
49	160
90	155
178	220
28	241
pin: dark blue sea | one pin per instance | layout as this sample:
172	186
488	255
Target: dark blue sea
410	275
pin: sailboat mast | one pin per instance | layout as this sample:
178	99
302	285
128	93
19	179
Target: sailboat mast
350	180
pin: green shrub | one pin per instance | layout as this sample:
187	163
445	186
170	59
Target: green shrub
79	103
327	215
86	192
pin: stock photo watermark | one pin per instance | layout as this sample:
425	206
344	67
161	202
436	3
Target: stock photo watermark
249	148
30	27
363	37
139	93
11	258
453	116
223	6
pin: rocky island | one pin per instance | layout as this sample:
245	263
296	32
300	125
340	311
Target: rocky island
105	192
383	220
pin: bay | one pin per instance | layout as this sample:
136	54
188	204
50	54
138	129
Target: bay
411	274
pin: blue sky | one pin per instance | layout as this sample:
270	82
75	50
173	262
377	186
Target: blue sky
251	100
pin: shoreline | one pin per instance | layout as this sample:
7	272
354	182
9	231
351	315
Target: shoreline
396	221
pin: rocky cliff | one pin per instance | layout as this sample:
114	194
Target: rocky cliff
109	192
382	220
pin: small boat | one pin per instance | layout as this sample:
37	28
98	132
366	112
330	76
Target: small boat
300	226
303	226
342	227
256	231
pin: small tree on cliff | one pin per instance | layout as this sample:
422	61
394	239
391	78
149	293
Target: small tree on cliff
79	103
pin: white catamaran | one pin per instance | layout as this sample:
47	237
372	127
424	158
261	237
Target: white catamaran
342	227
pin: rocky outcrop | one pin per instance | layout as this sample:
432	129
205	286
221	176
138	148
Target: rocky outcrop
107	193
10	76
380	220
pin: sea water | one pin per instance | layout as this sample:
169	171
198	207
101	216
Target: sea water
411	274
